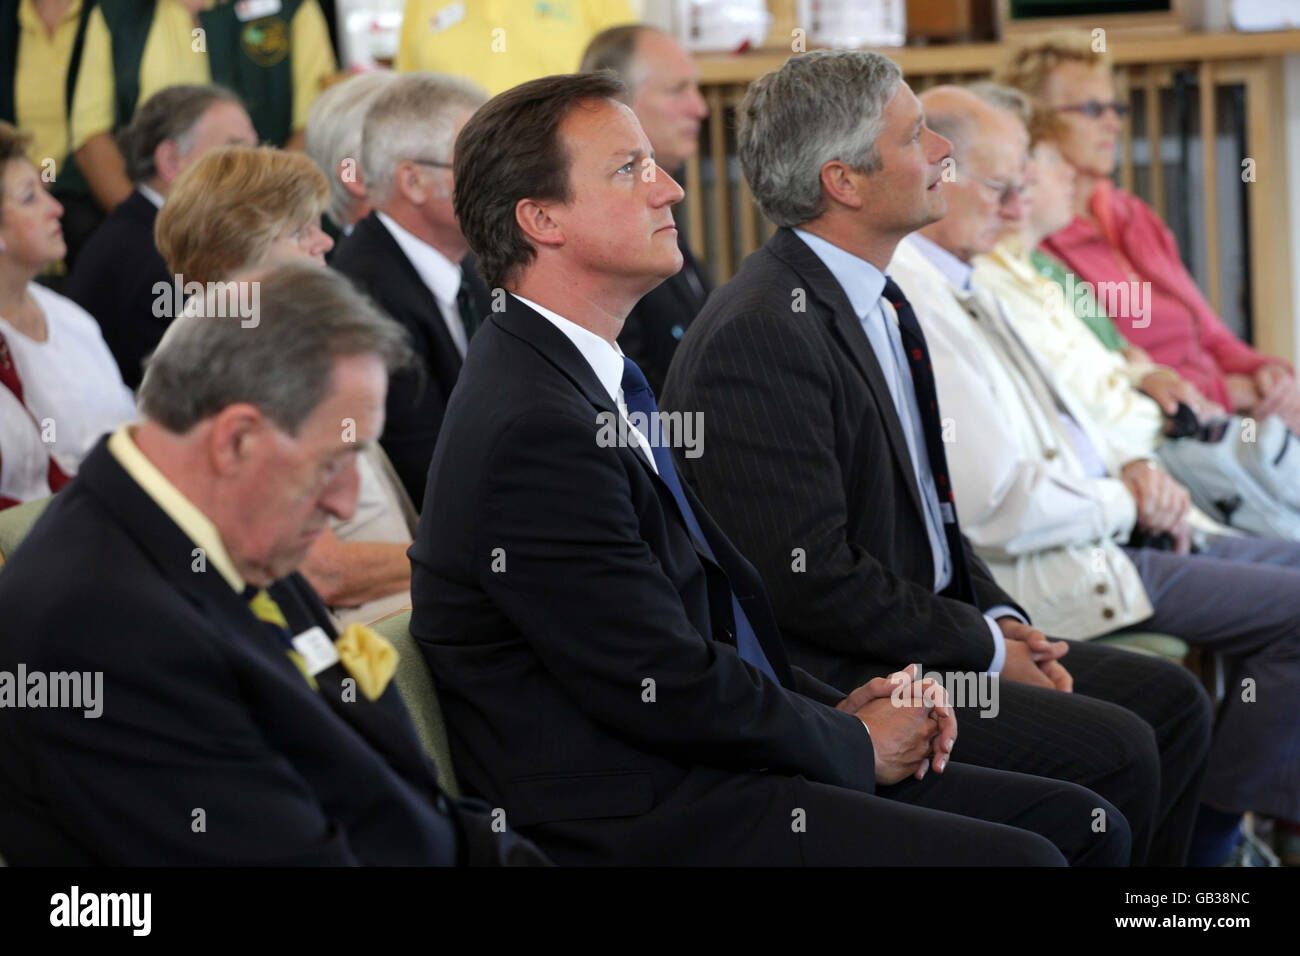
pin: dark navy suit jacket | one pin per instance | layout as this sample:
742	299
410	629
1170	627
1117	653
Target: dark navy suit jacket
211	748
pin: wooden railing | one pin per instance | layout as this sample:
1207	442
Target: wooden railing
725	224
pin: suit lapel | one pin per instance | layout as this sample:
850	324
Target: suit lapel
847	330
174	554
526	324
434	324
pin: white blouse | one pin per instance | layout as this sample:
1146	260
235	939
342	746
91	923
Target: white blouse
71	383
24	461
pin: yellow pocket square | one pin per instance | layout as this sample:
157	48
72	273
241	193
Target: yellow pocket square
368	657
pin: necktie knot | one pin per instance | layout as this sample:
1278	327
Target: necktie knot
634	380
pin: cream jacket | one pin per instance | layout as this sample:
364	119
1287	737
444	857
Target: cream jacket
1049	532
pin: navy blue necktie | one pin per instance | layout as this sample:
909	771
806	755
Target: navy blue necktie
927	400
639	397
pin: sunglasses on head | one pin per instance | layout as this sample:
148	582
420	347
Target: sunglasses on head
1095	109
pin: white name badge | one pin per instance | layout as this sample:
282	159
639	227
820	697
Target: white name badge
247	10
448	17
945	510
317	650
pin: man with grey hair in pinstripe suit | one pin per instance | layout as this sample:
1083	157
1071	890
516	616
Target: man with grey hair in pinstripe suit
824	461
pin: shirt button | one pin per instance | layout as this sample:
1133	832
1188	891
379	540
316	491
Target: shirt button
1049	454
1108	613
1100	589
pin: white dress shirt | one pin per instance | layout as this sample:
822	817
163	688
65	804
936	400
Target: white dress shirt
440	274
606	361
151	194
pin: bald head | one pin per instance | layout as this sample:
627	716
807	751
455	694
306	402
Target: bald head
663	87
965	120
990	147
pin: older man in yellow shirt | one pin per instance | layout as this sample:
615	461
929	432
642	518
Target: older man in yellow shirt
502	43
275	54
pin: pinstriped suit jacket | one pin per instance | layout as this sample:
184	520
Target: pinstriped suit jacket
805	467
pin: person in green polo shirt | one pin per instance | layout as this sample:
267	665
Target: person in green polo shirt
275	54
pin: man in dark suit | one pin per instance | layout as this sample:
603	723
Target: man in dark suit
607	662
664	93
119	269
409	255
824	458
209	712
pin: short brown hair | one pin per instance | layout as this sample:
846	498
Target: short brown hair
1029	64
511	150
14	143
223	213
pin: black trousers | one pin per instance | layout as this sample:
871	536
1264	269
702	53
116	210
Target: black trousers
1136	730
966	816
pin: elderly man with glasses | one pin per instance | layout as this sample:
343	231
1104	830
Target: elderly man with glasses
410	256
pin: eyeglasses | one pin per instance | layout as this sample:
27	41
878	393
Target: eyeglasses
1006	190
1095	109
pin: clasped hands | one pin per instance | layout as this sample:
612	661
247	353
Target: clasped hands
912	725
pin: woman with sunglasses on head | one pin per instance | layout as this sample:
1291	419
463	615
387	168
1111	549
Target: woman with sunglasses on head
1115	237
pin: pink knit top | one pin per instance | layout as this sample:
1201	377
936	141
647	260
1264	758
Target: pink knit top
1129	244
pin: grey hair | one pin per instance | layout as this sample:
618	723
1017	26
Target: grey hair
413	117
1002	97
819	106
170	114
334	134
282	363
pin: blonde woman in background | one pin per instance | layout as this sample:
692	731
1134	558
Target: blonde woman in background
241	207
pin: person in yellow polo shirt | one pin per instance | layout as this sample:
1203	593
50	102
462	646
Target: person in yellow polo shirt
502	43
39	56
274	53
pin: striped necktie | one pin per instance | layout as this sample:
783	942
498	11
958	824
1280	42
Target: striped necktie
927	400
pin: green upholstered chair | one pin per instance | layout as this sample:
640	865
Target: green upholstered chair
1143	642
15	522
415	685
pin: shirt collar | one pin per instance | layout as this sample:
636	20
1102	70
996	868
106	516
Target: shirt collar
862	282
1012	255
439	273
606	360
151	194
194	524
953	269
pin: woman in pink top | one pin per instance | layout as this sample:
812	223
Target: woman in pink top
1116	238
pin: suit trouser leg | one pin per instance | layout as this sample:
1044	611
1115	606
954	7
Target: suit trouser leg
966	816
1135	731
1241	599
